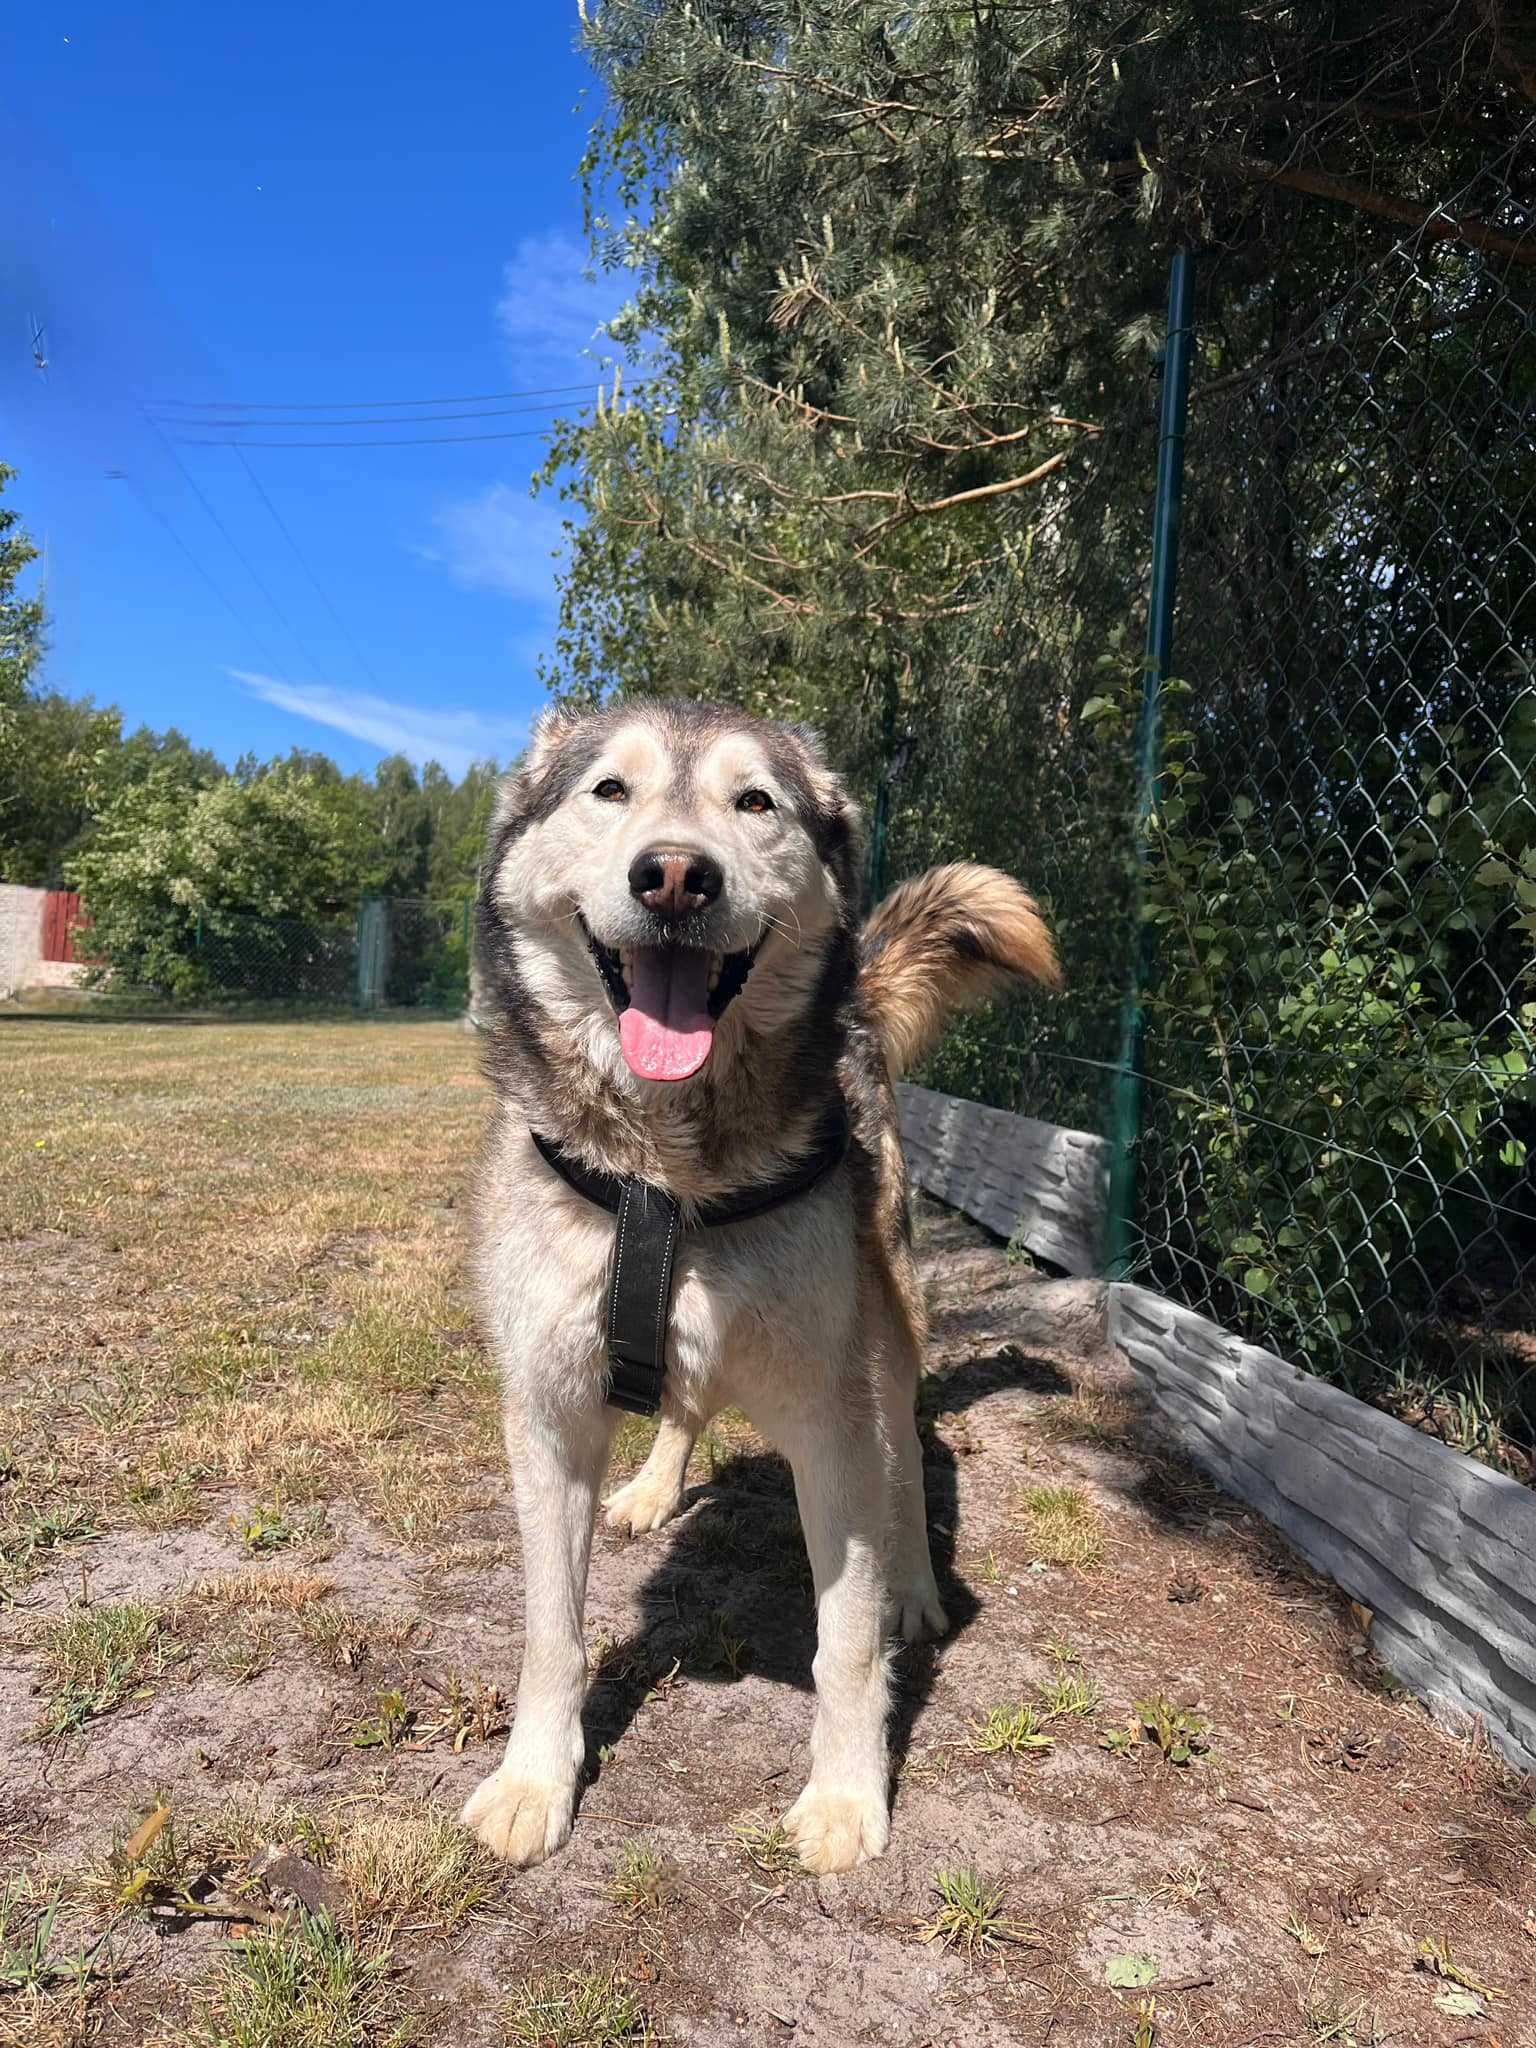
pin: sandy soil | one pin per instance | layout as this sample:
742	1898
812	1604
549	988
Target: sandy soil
1311	1874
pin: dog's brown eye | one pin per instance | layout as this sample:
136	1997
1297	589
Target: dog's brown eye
754	800
611	790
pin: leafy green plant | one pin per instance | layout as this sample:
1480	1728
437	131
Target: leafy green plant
1178	1732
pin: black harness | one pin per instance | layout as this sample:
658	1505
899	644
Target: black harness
645	1247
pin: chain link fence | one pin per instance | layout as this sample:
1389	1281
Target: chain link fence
1296	884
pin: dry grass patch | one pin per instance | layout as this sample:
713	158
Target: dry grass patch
413	1861
288	1439
415	1492
1063	1526
273	1592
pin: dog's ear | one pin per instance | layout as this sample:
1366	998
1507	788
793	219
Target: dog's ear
551	729
519	795
834	818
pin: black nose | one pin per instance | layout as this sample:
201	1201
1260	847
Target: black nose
675	884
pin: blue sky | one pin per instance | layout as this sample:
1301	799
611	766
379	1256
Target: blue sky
323	211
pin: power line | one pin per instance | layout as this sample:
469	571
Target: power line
122	476
418	420
418	441
234	546
421	441
303	561
366	404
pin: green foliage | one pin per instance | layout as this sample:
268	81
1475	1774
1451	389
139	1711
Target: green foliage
1334	1025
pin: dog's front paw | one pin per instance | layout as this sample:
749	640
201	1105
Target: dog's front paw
522	1820
913	1611
835	1830
641	1505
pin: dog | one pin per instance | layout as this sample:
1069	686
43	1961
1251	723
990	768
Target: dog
676	996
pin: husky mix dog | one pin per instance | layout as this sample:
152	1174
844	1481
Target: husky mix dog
676	993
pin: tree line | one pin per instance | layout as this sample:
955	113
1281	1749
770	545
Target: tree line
176	855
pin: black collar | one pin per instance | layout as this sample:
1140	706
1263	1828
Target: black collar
645	1244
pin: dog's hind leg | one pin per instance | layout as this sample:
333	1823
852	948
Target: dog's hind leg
655	1493
913	1608
523	1810
842	1816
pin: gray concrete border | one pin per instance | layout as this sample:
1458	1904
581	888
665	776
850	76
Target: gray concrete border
1441	1549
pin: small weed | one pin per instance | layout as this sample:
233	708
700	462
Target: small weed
987	1571
267	1528
575	2009
766	1846
1144	2029
1439	1959
307	1985
1067	1693
717	1647
1063	1526
1309	1941
1329	2019
1011	1731
1177	1731
158	1499
970	1915
36	1533
27	1960
94	1656
1118	1741
388	1727
471	1711
336	1633
245	1652
1060	1651
639	1880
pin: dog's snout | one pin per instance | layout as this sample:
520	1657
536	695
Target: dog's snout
675	884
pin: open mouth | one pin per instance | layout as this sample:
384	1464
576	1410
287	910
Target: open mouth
669	1000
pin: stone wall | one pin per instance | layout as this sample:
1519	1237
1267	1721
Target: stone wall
1032	1183
21	937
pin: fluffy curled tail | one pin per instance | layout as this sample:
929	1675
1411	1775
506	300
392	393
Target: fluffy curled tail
942	942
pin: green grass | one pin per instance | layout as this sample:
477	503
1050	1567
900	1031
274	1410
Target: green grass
306	1986
638	1883
1068	1693
1063	1526
93	1657
575	2009
970	1914
1009	1731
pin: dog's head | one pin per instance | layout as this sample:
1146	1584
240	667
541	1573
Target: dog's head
655	869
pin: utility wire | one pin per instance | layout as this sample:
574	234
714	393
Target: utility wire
420	441
417	420
234	546
303	561
122	476
373	404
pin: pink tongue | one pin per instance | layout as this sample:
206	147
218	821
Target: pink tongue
666	1032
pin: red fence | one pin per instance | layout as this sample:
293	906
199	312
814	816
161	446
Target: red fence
61	921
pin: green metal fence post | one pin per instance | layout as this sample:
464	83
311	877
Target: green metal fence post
1178	347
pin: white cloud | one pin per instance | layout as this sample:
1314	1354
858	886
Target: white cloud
551	311
500	539
454	738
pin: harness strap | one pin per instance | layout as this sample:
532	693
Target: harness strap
645	1250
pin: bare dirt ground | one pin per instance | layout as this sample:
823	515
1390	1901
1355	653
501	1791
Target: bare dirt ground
262	1616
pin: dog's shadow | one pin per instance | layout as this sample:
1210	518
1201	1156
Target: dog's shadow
731	1590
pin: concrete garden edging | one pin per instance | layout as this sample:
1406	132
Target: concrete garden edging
1441	1549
